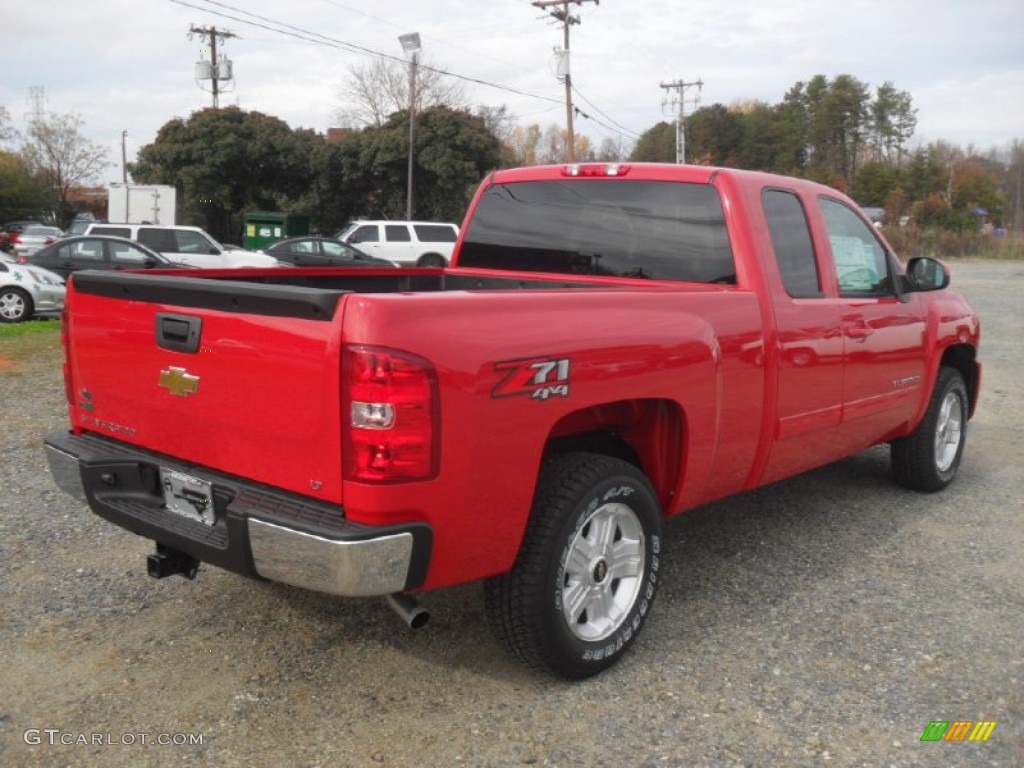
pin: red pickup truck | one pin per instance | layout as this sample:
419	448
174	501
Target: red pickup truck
614	345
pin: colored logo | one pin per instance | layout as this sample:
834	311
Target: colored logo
958	730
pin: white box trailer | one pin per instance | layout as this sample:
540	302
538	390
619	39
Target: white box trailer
141	204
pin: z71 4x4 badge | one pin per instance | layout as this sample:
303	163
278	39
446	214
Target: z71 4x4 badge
537	377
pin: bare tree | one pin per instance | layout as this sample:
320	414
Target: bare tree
7	131
379	89
58	154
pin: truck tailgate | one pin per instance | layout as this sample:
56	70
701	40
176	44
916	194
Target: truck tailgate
239	377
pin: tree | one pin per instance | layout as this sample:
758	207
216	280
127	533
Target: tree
453	152
59	156
713	136
379	89
656	145
21	195
7	131
893	120
226	161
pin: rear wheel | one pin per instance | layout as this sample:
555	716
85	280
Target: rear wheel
587	571
432	260
15	305
928	460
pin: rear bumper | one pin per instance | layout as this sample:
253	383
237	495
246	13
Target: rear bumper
258	531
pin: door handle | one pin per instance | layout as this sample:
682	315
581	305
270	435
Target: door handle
859	332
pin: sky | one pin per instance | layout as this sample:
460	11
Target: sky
129	65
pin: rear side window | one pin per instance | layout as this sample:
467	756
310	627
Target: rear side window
365	234
434	233
644	229
116	231
791	241
161	240
397	233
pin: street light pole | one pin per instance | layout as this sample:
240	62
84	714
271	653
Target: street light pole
411	45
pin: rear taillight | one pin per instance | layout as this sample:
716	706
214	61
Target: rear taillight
65	328
391	411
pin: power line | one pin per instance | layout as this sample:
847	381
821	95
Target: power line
318	39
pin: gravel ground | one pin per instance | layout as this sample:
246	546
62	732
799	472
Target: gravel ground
826	619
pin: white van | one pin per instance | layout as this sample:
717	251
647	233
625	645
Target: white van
419	243
186	245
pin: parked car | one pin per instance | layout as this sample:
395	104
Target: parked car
418	243
28	291
32	238
78	226
190	246
316	251
97	252
12	227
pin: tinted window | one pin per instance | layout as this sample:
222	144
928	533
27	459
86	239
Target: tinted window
791	241
116	231
861	265
397	233
650	229
434	233
365	234
161	240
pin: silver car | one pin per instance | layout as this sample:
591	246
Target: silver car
28	291
31	239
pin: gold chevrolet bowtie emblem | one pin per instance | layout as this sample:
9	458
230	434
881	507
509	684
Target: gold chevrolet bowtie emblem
179	382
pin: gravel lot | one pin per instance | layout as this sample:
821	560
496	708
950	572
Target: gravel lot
826	619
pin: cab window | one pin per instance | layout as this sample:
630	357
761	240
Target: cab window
791	241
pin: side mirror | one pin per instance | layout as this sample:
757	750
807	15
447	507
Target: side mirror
149	262
927	274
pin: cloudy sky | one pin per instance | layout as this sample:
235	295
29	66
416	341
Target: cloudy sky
129	65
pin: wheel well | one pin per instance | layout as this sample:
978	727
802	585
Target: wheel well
430	257
648	434
962	358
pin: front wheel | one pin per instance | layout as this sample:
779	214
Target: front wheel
15	305
928	459
587	571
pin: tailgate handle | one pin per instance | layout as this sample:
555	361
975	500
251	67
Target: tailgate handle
178	332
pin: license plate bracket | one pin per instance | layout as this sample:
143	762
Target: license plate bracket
188	496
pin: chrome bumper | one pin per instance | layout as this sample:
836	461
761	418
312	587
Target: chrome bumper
348	559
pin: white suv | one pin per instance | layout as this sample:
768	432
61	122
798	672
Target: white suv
419	243
191	246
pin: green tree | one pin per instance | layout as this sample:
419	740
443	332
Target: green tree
714	136
454	150
893	120
22	195
656	145
228	161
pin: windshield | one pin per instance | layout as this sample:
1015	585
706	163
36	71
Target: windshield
646	229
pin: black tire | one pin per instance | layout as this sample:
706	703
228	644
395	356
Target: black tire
928	459
431	260
587	571
15	305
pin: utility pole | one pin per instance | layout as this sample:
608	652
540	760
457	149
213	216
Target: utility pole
561	13
218	70
124	157
679	100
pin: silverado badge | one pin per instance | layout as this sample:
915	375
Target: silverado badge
178	381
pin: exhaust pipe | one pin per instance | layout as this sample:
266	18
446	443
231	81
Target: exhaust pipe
406	606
